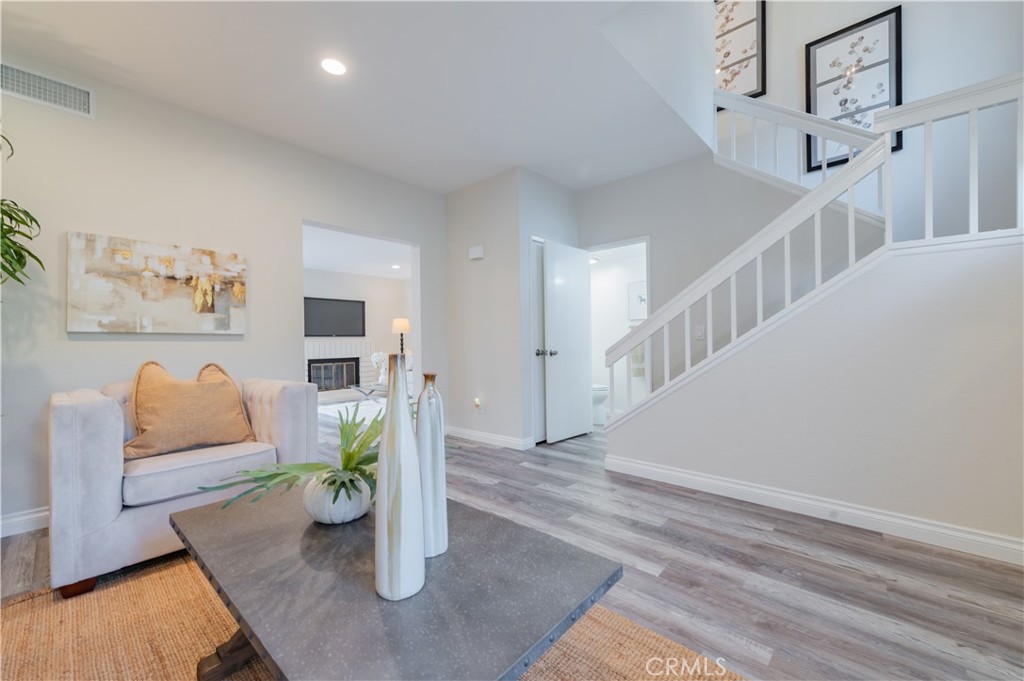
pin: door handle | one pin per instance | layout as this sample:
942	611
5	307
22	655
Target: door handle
553	352
540	353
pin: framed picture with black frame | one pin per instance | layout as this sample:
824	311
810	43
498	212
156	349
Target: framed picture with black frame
853	74
740	46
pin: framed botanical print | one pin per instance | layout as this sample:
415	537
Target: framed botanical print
853	74
740	46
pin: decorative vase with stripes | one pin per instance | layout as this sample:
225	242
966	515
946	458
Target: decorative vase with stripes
430	444
400	564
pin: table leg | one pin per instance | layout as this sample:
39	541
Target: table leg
226	660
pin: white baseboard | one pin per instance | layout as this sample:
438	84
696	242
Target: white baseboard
24	521
519	444
977	542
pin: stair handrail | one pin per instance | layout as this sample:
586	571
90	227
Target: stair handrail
865	163
954	103
799	120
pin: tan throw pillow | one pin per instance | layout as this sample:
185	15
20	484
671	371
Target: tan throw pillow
171	415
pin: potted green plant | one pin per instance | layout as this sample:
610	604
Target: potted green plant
358	448
19	227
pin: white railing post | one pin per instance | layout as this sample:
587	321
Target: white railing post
1020	163
629	380
753	123
709	327
851	224
611	392
822	150
817	250
972	170
787	259
759	273
649	364
732	307
929	183
667	352
732	133
687	344
775	148
888	190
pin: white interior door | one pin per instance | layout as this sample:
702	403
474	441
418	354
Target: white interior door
537	340
567	379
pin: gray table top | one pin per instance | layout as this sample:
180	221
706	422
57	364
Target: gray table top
303	593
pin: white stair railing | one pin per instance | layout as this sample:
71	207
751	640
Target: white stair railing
966	102
768	138
730	308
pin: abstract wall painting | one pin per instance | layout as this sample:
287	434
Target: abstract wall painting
118	285
740	46
853	74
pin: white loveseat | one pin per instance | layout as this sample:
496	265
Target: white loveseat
107	513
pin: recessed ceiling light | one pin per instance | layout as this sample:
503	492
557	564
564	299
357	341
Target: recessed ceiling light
396	267
333	66
594	261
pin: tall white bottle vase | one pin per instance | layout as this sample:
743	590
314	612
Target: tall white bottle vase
430	443
400	565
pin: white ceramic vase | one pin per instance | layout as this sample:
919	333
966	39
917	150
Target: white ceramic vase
400	565
321	507
430	445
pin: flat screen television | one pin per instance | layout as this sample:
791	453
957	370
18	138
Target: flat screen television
329	317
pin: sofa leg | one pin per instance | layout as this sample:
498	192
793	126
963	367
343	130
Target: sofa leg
78	588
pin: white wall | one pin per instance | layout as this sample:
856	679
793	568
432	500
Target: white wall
484	303
146	170
489	299
901	392
385	299
609	312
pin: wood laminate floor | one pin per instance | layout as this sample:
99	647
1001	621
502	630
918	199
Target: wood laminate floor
776	595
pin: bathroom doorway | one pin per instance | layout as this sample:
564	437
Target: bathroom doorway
620	300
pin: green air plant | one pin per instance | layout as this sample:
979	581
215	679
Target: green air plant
19	226
358	448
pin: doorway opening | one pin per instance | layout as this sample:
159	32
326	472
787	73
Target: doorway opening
382	275
620	297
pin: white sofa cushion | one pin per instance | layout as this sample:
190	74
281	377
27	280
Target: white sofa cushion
158	478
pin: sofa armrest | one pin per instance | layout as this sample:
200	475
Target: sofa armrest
284	414
86	437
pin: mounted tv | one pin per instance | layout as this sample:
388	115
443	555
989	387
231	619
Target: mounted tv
329	317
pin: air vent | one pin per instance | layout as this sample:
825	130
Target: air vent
36	88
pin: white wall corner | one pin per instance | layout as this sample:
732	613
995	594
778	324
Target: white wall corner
492	439
25	521
977	542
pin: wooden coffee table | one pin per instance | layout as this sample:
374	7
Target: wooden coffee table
304	599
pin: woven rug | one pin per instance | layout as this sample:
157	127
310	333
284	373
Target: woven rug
156	620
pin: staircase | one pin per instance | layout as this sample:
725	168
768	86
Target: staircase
841	227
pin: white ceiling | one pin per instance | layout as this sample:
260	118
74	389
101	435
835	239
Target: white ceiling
619	252
440	95
334	251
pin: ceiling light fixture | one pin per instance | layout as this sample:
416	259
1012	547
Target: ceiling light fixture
396	267
594	261
333	66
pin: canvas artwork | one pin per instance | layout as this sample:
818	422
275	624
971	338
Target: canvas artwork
739	46
853	74
118	285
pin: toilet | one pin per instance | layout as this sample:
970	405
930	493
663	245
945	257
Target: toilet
600	393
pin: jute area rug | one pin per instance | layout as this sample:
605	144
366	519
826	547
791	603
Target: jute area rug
155	621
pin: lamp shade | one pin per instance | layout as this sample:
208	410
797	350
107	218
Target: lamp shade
400	325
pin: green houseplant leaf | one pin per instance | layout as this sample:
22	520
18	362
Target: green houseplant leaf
19	228
358	449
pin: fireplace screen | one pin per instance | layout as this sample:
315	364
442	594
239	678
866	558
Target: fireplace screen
334	374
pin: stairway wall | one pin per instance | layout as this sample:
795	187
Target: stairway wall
894	403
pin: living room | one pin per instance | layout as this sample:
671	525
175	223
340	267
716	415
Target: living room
445	134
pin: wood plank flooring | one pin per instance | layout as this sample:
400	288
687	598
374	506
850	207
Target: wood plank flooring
775	594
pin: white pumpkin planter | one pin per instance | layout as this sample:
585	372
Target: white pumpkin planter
319	502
